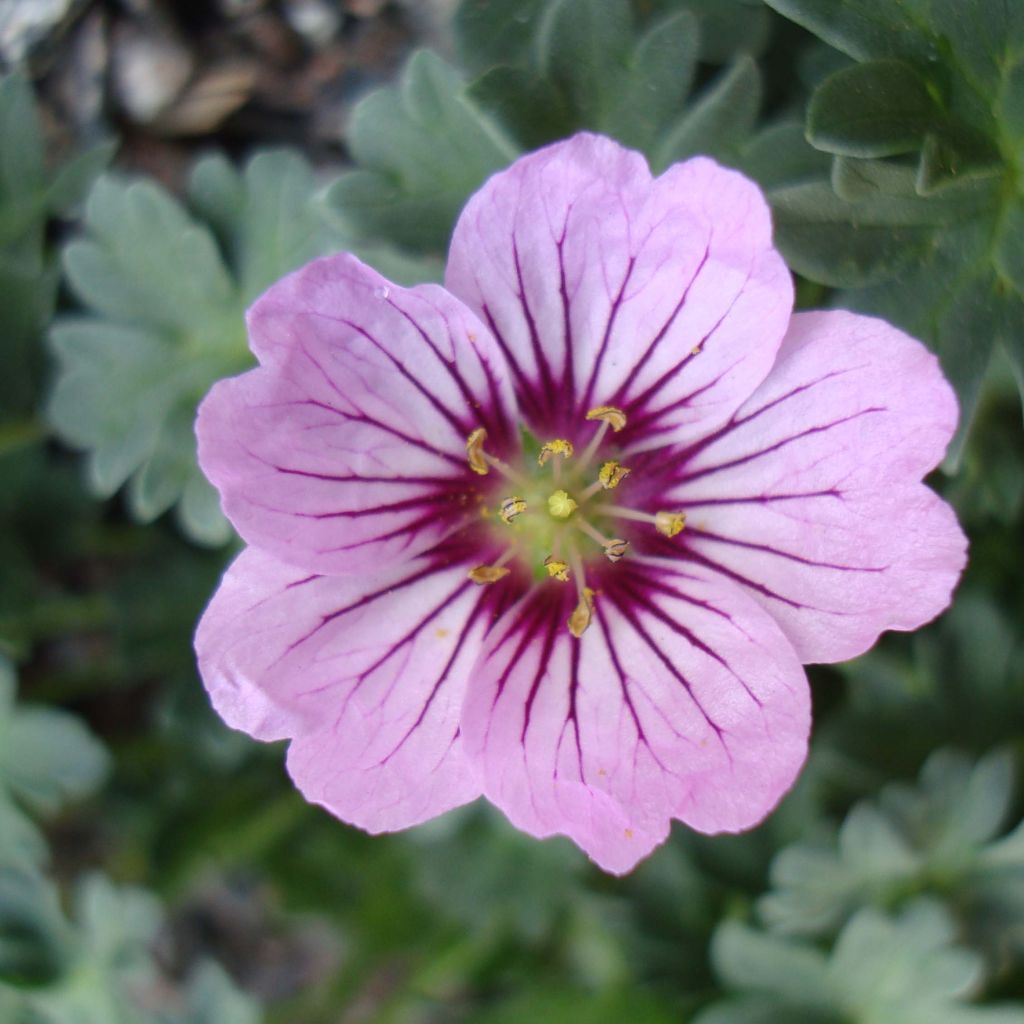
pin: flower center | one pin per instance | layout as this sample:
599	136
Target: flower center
553	513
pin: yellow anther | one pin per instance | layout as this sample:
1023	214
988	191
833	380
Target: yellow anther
557	447
580	618
475	451
488	573
557	569
612	474
615	549
669	523
511	507
560	505
615	418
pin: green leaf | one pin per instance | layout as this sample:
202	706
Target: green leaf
780	155
583	47
422	147
496	32
132	373
22	158
72	182
720	119
752	961
865	29
874	109
47	756
948	163
883	970
985	35
213	998
216	192
280	224
22	845
1008	255
945	79
541	1005
847	244
892	848
34	939
531	108
145	260
659	73
728	28
97	357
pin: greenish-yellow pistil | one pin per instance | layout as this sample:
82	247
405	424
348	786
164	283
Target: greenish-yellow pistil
560	505
554	509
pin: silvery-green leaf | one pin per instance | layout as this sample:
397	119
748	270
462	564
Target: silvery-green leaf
213	998
421	148
719	120
163	296
47	756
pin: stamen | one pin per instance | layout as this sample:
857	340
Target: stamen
488	573
557	569
492	573
609	417
557	447
475	451
612	474
511	507
666	523
669	523
560	505
615	418
614	547
481	462
580	618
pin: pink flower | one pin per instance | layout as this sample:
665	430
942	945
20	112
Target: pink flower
562	532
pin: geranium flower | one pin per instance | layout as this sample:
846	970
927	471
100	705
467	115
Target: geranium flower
562	532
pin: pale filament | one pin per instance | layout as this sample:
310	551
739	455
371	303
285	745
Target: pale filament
595	443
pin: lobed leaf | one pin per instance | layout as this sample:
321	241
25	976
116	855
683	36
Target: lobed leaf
943	81
421	147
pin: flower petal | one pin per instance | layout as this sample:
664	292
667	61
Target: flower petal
683	700
365	675
809	496
604	286
345	451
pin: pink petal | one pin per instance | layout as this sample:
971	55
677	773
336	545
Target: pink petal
810	496
345	450
682	700
604	286
367	677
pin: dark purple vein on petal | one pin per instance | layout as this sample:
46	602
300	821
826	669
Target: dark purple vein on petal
653	344
644	601
719	538
627	698
809	432
547	379
441	679
613	312
457	424
527	394
673	371
626	610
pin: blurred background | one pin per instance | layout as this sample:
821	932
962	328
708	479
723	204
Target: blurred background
161	163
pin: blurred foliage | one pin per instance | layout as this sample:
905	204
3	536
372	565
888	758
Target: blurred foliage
168	873
163	289
922	221
903	970
98	965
